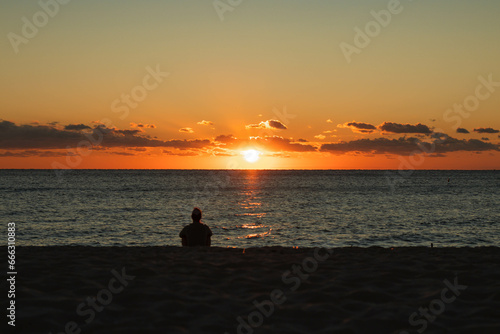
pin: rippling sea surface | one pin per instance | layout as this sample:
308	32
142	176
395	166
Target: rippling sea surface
251	208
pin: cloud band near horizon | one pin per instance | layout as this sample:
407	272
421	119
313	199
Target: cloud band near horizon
38	139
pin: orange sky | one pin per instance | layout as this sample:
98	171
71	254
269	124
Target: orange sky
126	84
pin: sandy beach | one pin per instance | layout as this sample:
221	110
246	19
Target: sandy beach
257	290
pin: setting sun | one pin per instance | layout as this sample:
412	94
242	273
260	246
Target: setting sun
251	155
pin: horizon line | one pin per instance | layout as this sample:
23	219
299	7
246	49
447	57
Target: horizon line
255	169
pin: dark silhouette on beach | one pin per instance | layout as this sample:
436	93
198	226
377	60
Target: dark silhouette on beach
196	233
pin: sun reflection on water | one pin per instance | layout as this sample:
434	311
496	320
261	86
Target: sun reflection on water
251	207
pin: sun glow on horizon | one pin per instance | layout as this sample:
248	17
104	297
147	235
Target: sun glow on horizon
251	155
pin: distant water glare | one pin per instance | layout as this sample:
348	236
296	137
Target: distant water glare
252	208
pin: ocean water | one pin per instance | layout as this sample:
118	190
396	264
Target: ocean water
253	208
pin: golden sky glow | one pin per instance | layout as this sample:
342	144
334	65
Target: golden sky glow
307	84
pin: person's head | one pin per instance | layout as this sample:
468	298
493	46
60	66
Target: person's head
196	214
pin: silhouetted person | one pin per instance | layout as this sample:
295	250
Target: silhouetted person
197	233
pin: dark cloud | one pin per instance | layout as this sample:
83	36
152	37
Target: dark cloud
76	127
301	140
182	154
404	128
123	153
36	153
103	129
128	132
472	145
405	146
359	127
486	130
269	124
14	136
462	130
377	145
140	125
454	145
186	130
485	138
435	135
277	125
225	138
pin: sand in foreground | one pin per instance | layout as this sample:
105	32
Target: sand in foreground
259	290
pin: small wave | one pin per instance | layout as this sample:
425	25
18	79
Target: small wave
255	214
251	226
257	235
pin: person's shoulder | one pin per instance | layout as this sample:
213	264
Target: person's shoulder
208	229
184	230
